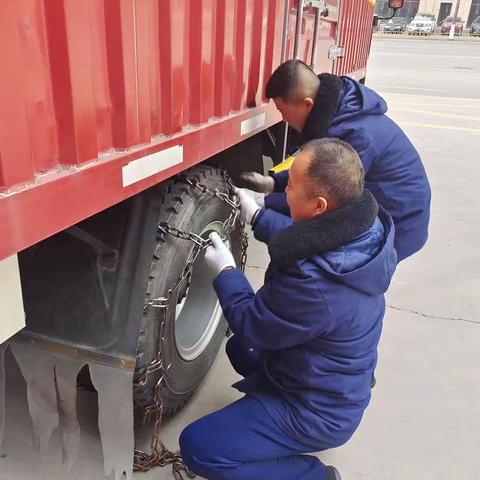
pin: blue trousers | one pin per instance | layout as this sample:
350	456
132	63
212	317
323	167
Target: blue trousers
243	442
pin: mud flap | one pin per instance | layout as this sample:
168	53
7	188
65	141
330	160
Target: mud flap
66	372
38	370
52	392
115	418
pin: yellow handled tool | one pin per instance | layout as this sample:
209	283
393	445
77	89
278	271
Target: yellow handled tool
281	167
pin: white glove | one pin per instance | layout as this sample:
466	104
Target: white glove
218	256
248	205
257	196
258	182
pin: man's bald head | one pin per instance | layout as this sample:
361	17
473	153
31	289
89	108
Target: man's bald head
293	81
334	170
327	174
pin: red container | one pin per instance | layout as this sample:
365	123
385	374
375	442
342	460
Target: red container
89	87
355	36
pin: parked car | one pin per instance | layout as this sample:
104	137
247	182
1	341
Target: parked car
475	27
395	25
427	18
447	25
380	25
420	27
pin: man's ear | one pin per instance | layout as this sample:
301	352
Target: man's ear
321	205
308	102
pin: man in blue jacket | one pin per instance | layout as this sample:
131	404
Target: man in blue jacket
340	107
306	342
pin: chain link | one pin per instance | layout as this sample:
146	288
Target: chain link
160	455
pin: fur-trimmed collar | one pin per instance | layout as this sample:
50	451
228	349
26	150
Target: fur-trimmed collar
325	232
324	108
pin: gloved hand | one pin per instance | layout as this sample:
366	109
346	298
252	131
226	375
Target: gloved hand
257	196
259	183
218	256
248	206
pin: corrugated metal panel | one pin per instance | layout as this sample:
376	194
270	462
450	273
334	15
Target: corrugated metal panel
355	35
82	78
25	94
88	86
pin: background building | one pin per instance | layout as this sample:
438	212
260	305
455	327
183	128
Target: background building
468	11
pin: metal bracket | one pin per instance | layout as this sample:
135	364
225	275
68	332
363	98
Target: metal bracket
336	52
107	257
161	302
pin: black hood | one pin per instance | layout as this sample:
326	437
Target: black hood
324	108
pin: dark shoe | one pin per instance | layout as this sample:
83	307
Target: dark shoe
333	474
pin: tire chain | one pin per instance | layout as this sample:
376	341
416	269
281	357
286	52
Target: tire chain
160	455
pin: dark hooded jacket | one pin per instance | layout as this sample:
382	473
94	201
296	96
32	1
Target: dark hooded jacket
317	320
395	175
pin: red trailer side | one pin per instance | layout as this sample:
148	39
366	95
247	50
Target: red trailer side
89	87
355	37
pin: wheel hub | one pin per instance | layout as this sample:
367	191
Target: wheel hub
198	310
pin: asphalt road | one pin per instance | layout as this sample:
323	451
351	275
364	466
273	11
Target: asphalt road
438	67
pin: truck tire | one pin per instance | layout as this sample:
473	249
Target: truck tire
194	325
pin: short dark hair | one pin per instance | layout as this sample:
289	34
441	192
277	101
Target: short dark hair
335	171
292	81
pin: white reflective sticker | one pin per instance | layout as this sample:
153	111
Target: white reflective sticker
151	165
252	124
12	316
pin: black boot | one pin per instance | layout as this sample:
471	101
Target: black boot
333	474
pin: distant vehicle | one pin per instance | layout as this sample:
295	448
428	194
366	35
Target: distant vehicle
475	27
421	27
447	25
427	18
381	24
395	25
377	23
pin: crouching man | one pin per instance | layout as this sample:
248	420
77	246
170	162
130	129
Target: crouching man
306	342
